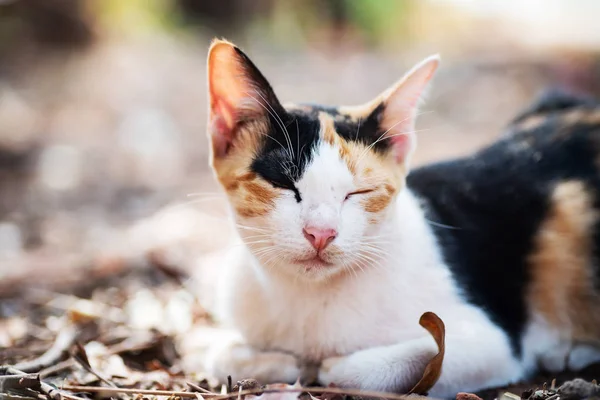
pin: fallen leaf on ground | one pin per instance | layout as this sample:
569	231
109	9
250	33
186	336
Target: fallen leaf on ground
467	396
435	326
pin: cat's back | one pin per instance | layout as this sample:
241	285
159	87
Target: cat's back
518	221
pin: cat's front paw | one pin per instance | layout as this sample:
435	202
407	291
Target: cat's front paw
336	370
239	360
366	370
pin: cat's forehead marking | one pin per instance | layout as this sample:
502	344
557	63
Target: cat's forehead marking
327	178
362	164
286	149
352	123
327	132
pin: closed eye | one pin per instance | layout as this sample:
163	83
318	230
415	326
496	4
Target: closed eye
293	189
362	191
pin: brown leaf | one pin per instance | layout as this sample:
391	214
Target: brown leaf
467	396
435	326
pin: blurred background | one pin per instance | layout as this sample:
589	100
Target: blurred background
103	154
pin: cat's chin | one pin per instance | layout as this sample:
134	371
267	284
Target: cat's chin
315	262
316	268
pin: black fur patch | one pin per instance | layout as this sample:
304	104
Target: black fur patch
287	145
365	131
287	150
496	201
301	136
292	136
554	100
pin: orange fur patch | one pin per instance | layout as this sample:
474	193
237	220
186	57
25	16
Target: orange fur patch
360	112
370	170
387	189
531	123
562	287
377	203
328	132
249	195
582	116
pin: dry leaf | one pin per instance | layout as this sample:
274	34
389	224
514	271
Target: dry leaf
467	396
435	326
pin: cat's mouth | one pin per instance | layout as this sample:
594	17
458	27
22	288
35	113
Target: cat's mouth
314	262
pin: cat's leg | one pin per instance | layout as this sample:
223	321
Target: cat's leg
474	359
233	357
583	355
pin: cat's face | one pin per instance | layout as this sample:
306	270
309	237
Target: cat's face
310	186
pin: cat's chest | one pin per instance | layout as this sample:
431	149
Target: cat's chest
315	324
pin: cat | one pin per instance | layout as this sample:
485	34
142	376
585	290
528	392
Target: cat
345	247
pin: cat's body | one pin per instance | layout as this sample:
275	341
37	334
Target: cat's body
343	254
523	239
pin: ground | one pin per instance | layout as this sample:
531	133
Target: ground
130	326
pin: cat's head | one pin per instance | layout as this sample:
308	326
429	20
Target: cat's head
310	186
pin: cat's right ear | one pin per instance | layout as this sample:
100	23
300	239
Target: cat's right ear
237	91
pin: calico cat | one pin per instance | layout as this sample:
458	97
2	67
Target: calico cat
343	249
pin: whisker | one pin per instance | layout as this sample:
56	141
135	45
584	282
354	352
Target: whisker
249	243
365	152
440	225
194	202
347	267
366	256
279	122
383	137
285	131
252	237
197	194
358	129
298	142
251	228
269	136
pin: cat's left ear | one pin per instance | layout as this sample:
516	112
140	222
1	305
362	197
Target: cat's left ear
237	91
398	107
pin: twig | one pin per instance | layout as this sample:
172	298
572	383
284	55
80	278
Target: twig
58	352
97	389
10	396
56	394
49	390
197	388
56	368
80	355
216	396
18	381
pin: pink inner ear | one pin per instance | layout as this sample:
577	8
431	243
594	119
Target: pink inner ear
402	146
222	125
221	136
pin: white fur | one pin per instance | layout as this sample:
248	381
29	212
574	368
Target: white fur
357	318
361	321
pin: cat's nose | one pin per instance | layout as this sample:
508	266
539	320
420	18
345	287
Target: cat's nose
319	237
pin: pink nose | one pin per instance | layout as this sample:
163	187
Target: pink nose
318	237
